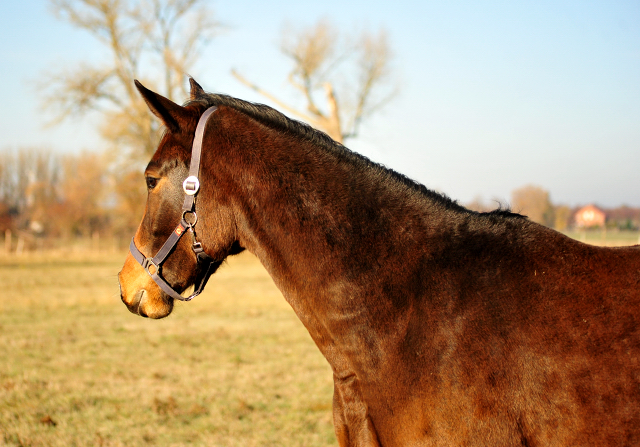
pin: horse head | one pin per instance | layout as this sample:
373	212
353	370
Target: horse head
147	286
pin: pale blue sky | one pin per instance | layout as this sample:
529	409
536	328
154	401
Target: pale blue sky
494	95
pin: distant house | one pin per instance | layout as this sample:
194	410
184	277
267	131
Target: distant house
589	216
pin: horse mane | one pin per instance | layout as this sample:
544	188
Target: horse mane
272	118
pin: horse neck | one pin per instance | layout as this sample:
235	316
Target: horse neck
316	217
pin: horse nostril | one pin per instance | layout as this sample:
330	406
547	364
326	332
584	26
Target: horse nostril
139	299
138	296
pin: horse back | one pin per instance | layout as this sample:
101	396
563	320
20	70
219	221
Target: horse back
532	340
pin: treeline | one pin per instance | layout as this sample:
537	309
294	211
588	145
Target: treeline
535	202
46	197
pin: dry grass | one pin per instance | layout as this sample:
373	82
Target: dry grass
235	367
609	238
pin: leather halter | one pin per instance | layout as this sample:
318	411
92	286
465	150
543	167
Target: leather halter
191	185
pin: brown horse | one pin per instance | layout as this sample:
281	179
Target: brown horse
443	326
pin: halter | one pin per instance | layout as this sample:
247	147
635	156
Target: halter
191	185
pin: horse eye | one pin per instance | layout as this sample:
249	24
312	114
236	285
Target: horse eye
151	182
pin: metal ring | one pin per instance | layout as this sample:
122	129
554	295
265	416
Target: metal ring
191	185
195	218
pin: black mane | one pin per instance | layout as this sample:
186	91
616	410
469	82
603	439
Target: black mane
272	118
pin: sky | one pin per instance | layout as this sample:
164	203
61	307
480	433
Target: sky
493	95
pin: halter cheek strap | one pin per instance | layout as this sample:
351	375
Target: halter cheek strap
191	186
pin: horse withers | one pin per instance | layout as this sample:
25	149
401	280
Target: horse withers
443	326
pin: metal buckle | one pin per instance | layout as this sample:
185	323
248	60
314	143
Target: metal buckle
148	263
191	185
197	248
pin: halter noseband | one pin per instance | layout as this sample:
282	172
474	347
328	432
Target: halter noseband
191	185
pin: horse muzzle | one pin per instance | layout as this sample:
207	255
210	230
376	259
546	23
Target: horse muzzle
140	293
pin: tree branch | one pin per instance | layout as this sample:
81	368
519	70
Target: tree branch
313	121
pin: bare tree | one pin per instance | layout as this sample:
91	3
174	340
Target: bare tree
81	209
534	202
342	81
29	181
168	35
478	204
562	217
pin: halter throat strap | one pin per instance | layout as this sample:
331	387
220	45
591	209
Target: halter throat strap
191	186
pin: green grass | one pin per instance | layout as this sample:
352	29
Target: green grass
234	367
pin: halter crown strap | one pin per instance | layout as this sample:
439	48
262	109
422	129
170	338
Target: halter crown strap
191	186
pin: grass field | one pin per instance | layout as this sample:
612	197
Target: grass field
234	367
610	238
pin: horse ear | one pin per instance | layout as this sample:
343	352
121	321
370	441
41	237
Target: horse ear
196	90
165	109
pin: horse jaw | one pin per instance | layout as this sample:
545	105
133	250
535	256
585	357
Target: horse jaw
140	293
